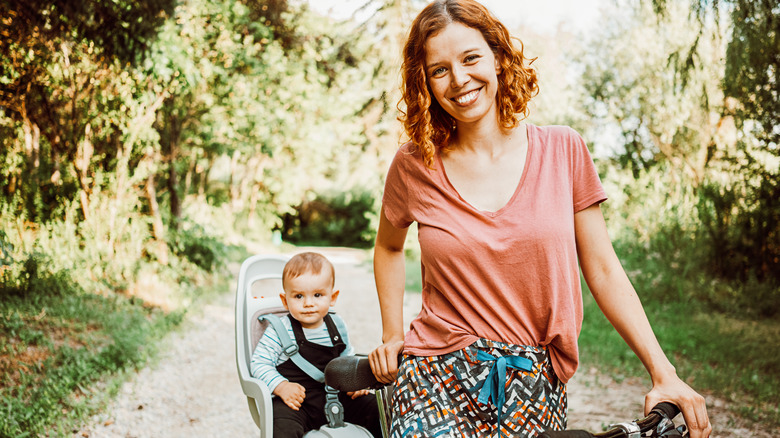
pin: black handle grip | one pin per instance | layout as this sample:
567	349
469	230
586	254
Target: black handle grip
351	373
666	409
566	434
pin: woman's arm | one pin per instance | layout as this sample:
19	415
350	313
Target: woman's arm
617	298
390	275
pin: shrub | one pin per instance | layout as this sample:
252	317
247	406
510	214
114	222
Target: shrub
194	243
343	219
34	276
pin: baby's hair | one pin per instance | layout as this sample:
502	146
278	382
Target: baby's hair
307	263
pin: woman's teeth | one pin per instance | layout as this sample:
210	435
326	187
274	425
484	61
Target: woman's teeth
468	97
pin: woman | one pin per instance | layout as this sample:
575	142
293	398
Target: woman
505	210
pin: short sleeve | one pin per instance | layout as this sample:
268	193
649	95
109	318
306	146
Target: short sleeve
395	201
586	185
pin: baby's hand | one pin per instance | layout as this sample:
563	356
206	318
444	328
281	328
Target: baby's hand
357	394
292	394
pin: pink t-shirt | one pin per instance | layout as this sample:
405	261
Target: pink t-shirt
510	275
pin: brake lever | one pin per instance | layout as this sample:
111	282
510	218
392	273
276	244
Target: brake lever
679	432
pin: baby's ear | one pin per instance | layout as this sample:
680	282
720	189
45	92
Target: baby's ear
284	300
333	297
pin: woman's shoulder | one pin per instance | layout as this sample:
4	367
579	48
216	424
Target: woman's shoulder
556	133
408	156
410	151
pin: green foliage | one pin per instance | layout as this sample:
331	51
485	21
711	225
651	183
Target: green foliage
195	244
694	113
731	357
752	66
341	219
34	276
57	346
633	87
741	231
6	248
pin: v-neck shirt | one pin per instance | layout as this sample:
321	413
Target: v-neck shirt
510	275
440	165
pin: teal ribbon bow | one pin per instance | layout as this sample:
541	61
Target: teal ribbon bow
494	385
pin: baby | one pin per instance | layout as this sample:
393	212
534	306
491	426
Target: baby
308	280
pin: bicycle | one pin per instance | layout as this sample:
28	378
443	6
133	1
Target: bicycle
658	423
352	373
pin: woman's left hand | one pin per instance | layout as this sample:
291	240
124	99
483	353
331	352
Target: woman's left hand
691	404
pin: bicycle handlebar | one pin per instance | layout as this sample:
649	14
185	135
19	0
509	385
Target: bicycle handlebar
353	373
659	412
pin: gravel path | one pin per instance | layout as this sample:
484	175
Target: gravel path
193	390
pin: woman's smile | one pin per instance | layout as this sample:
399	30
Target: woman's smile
462	73
467	98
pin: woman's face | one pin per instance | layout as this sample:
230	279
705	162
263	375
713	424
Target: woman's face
461	70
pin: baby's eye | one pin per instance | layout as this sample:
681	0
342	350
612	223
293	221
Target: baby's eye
298	296
317	295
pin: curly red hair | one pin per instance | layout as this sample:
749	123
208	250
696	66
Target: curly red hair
424	120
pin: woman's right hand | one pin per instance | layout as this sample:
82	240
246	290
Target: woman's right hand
384	360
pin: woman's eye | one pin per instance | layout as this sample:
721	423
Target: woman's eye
471	58
438	72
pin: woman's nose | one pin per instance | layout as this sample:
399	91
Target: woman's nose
458	77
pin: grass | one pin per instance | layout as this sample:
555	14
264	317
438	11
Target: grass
731	358
64	353
54	347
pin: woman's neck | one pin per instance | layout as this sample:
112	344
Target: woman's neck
484	138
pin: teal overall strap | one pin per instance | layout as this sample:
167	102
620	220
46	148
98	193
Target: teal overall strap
290	348
340	326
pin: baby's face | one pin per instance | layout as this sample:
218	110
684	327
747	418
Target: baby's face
309	296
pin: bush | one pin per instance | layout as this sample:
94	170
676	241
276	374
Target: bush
34	276
740	229
742	226
194	243
343	219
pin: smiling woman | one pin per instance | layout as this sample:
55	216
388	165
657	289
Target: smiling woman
505	211
462	73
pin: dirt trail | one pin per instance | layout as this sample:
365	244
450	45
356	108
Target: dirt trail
193	390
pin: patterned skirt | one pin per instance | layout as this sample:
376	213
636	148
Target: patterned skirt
486	389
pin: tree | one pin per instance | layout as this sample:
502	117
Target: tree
53	57
633	81
740	210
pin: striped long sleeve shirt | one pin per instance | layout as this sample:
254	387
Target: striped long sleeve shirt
268	353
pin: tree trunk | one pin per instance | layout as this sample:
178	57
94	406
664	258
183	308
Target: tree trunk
171	154
188	177
32	141
203	178
233	185
158	229
81	163
173	184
